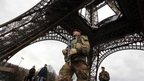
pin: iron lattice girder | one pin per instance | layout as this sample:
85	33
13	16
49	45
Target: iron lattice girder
132	11
129	41
43	20
19	27
114	6
57	33
36	19
91	12
34	25
33	18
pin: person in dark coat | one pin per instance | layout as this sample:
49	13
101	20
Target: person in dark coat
43	73
31	74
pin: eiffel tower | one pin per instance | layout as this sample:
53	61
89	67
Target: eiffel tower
55	20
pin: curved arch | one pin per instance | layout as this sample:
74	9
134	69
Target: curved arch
57	33
134	41
130	47
94	71
96	64
100	52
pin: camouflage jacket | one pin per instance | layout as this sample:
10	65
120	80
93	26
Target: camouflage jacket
79	47
104	76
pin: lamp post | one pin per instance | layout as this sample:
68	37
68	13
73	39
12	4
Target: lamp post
21	61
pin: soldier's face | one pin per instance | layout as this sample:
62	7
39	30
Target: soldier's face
103	69
76	33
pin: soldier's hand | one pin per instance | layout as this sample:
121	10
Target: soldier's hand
64	51
78	46
73	51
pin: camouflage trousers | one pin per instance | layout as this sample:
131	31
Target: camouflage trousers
79	68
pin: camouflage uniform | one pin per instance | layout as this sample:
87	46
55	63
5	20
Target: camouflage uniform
79	51
104	76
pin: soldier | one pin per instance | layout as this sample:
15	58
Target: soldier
76	58
104	75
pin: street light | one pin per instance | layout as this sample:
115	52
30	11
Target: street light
21	61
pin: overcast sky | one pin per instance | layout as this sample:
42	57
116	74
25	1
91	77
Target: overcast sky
122	66
40	53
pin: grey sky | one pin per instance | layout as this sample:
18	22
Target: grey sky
39	53
13	8
125	65
122	66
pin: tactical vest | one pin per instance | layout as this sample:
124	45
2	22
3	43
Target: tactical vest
81	44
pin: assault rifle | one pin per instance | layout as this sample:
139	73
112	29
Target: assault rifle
68	58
